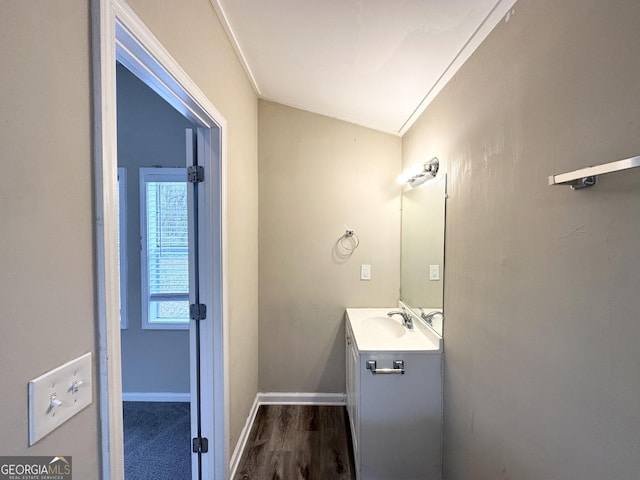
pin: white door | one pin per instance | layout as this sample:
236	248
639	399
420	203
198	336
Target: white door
198	275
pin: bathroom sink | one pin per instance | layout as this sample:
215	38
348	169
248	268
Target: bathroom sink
384	327
374	331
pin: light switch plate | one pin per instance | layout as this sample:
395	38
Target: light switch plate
434	272
58	395
365	272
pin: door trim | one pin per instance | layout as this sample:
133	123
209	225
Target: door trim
117	33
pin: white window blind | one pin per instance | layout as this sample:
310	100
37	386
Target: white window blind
165	247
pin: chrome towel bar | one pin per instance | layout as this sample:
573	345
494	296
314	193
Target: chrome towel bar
587	177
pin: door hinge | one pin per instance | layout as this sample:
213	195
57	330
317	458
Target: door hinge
197	311
200	445
195	174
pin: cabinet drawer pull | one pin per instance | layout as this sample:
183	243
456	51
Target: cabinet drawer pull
398	368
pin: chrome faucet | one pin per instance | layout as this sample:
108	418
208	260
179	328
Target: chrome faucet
406	319
428	317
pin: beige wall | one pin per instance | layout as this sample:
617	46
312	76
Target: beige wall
542	374
191	32
319	176
47	301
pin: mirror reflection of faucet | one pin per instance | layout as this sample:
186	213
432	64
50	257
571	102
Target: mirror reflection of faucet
428	317
406	318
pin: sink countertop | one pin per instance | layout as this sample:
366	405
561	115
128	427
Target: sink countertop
368	338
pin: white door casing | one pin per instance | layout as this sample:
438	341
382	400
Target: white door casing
118	34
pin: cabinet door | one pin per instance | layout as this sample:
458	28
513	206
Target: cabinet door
349	372
400	418
351	355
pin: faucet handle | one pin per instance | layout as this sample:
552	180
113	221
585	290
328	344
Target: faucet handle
409	322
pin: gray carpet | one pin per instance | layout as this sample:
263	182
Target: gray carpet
157	440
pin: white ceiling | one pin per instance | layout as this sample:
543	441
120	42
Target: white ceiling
376	63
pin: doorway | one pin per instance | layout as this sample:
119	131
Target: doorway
154	282
120	35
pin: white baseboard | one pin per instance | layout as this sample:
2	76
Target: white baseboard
242	440
155	397
278	398
293	398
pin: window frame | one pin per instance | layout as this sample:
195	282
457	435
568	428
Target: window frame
154	174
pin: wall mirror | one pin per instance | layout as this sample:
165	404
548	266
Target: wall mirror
422	249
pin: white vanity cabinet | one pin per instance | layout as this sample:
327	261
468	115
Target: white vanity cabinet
351	355
395	418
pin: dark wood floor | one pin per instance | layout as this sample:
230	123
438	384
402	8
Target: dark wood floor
291	442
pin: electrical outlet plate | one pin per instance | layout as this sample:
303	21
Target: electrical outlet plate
58	395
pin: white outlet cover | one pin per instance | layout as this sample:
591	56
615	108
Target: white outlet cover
54	397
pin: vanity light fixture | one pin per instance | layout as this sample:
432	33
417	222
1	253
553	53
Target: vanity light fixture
420	173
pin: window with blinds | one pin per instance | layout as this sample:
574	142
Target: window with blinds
165	247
